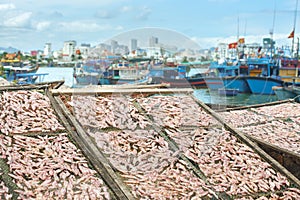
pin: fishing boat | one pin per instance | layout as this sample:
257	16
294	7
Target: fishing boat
124	72
229	75
90	71
287	92
263	75
197	81
289	70
12	66
175	76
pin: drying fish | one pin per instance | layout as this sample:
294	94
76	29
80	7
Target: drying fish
48	168
27	111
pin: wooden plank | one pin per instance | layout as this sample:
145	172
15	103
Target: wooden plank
274	163
288	159
43	85
98	160
133	86
256	105
99	91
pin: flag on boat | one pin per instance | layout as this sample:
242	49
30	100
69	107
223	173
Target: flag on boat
259	49
291	34
242	41
232	45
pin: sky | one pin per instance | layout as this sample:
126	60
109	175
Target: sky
29	24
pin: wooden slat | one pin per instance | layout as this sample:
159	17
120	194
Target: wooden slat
99	91
256	105
132	86
98	160
54	84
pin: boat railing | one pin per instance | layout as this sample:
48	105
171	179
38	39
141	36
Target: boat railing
30	78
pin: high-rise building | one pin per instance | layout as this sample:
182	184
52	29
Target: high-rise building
69	48
47	50
114	45
153	41
133	44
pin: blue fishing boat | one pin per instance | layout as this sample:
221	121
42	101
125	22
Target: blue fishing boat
229	75
30	78
12	66
263	75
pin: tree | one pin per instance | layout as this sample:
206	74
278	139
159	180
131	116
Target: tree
188	69
185	60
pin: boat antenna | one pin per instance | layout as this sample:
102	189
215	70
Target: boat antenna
272	30
295	17
245	28
238	40
238	27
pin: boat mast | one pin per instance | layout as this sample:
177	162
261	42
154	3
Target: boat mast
295	17
272	30
238	43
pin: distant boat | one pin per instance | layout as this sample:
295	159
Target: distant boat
30	78
287	92
89	72
228	92
197	80
125	72
12	67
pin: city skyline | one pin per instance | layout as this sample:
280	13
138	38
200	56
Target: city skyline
29	24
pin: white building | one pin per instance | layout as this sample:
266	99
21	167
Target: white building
68	49
84	50
47	50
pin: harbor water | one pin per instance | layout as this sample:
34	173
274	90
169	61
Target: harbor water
205	95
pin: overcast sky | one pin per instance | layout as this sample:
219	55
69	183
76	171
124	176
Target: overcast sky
29	24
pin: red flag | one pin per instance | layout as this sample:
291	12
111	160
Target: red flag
291	34
259	49
232	45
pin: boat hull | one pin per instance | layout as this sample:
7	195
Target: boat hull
235	83
12	74
197	82
87	80
115	81
263	85
214	83
174	83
